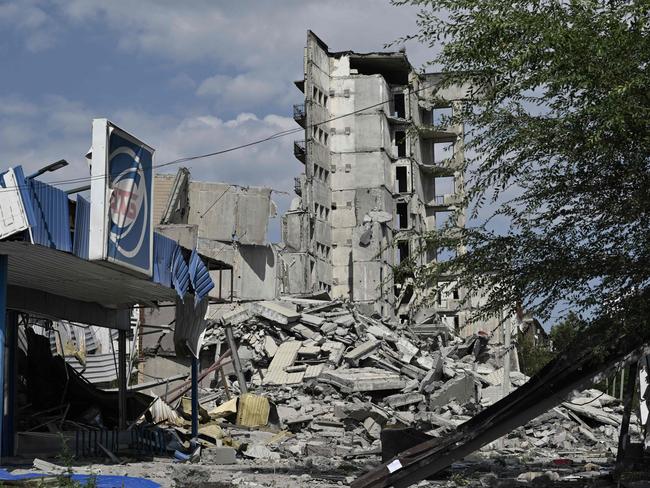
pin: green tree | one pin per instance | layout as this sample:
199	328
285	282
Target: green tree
532	357
566	331
558	138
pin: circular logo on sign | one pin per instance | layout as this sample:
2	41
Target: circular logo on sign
128	201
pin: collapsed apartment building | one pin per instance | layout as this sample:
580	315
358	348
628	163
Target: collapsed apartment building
382	168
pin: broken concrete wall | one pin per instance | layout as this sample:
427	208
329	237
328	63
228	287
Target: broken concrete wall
162	190
296	271
222	211
295	231
254	269
185	235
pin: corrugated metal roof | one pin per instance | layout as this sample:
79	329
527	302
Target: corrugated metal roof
52	212
81	228
21	181
180	273
99	368
200	276
64	274
164	249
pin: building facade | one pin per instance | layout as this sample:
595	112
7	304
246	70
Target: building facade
381	170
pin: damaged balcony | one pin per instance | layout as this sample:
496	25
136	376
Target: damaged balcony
300	150
299	114
438	133
445	201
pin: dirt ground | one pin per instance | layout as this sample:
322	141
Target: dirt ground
317	472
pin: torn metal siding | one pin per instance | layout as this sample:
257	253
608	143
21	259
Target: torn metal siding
199	276
52	212
81	228
14	214
164	250
99	368
180	273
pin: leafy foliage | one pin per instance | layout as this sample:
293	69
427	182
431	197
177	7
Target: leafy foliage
532	357
566	331
559	126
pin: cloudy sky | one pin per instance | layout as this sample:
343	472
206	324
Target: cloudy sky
186	77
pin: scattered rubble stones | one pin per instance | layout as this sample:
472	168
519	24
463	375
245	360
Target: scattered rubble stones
336	378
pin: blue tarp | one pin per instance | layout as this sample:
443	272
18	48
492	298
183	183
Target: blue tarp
164	250
200	276
100	481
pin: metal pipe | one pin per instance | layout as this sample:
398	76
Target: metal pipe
195	397
121	359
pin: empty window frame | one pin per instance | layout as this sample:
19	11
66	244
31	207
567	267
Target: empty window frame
400	142
401	179
399	105
402	215
443	219
442	151
442	116
444	185
403	251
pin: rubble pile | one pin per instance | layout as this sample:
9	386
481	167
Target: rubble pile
325	380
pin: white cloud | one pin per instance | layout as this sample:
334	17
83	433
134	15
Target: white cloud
182	81
55	127
29	19
245	91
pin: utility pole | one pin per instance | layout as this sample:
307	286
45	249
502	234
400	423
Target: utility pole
507	324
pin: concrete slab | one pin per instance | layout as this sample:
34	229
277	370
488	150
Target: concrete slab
460	389
275	312
362	379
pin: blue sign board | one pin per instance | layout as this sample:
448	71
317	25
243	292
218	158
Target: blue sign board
123	214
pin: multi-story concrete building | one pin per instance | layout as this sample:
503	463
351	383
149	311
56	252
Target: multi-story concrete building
381	169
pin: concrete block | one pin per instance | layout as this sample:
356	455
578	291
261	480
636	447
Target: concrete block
218	455
270	347
313	320
403	399
460	389
361	351
372	427
237	316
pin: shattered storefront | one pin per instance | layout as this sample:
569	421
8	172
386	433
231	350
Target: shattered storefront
71	272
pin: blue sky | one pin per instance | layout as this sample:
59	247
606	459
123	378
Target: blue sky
186	77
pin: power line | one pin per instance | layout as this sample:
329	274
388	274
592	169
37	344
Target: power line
227	150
